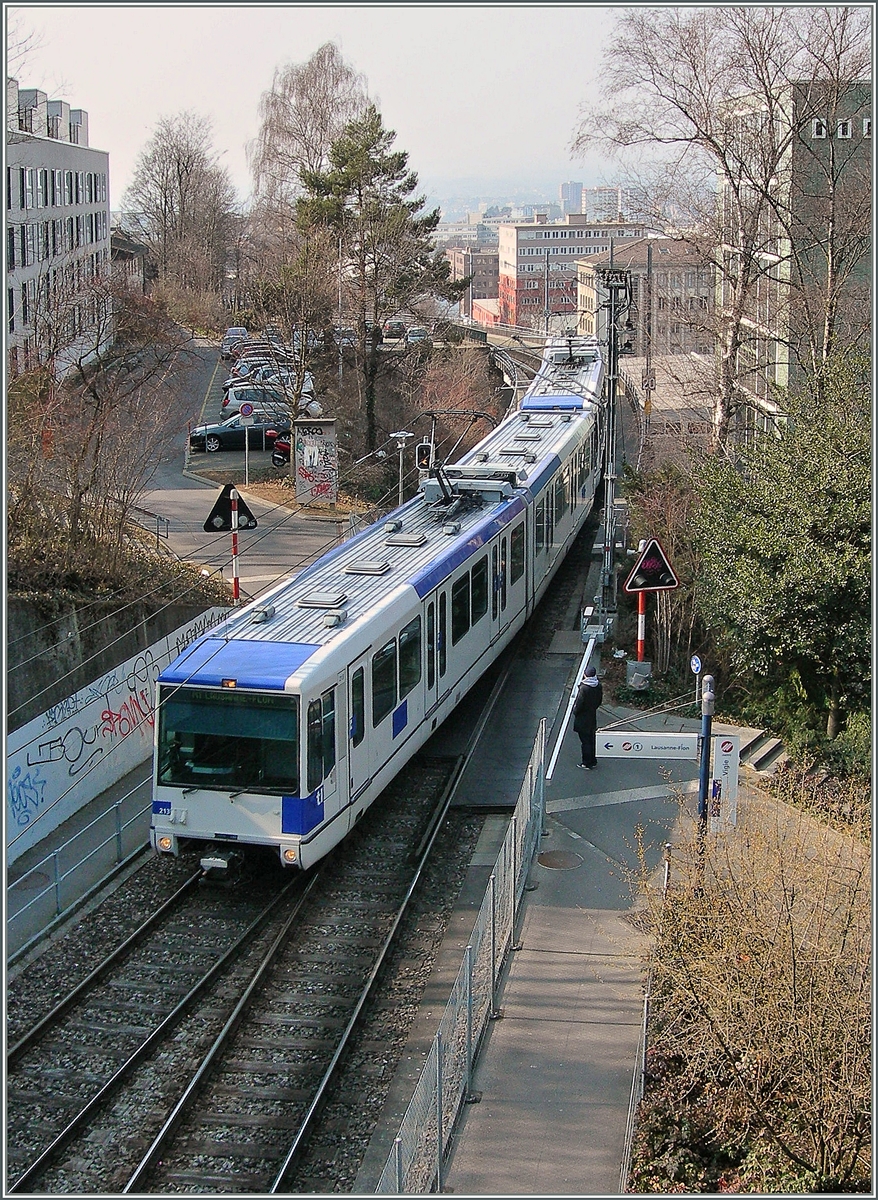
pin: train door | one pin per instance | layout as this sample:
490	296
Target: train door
358	743
431	691
499	560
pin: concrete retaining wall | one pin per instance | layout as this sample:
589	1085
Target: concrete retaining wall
87	741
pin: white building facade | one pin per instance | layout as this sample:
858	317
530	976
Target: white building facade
57	235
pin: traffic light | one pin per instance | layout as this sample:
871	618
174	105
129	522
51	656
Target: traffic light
424	456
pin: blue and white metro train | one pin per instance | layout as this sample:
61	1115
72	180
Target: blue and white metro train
280	727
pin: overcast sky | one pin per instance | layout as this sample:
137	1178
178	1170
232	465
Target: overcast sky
484	92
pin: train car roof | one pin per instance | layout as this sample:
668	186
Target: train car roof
416	547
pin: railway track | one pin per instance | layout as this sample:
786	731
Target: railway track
167	1073
74	1062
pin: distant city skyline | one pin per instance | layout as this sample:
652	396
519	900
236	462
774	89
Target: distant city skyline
472	91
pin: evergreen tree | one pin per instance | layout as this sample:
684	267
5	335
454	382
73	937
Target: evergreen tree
784	535
366	196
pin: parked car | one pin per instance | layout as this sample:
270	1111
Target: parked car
231	338
230	434
370	332
394	329
344	337
271	333
259	396
417	335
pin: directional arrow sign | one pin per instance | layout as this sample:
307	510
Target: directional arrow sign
220	519
652	572
636	744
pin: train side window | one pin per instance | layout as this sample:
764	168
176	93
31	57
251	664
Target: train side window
443	650
321	738
516	554
358	705
540	528
550	518
383	682
431	644
495	576
315	745
480	589
504	558
409	657
460	608
561	504
328	699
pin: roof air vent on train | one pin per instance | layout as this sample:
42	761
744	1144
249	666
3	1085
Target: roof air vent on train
331	619
451	528
393	527
262	614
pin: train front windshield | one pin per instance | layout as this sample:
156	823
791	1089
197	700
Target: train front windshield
228	739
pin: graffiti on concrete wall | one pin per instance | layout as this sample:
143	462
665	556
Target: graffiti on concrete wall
85	743
316	451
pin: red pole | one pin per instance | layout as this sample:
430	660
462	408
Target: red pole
235	591
641	623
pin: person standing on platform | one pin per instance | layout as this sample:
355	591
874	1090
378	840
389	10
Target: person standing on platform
585	716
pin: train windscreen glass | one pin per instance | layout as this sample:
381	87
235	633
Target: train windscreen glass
228	739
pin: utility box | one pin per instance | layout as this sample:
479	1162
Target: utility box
638	675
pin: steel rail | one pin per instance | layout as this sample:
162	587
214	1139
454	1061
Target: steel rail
47	1157
33	1034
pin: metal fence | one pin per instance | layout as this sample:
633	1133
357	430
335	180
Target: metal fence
75	869
415	1165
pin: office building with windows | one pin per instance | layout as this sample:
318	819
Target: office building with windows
481	267
57	235
537	266
672	296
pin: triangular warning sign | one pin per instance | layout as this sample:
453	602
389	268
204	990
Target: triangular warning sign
220	519
652	572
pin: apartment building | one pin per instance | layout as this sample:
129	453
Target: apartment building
537	266
672	296
570	195
57	234
483	266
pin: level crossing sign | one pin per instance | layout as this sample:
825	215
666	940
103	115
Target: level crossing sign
652	572
220	519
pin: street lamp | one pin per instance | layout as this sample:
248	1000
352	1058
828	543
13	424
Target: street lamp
618	284
402	437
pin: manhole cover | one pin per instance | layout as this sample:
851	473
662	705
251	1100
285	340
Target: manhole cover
559	860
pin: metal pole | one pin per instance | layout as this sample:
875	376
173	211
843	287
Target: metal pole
439	1122
118	810
493	890
235	584
397	1154
401	444
641	624
546	310
246	456
57	869
469	1019
708	701
340	350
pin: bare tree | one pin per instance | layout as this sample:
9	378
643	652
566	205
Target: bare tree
704	94
182	203
759	1074
301	115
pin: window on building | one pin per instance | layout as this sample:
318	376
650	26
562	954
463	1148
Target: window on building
843	129
10	248
818	128
42	188
867	126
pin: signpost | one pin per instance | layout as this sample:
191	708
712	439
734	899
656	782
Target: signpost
695	664
651	573
246	421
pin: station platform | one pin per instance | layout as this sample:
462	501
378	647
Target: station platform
555	1072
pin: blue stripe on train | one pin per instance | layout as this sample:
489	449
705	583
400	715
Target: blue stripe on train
251	664
301	814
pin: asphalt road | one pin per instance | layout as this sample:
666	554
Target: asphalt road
177	501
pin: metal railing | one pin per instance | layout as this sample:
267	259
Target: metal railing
416	1162
61	880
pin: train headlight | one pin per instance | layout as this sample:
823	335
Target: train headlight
165	843
289	855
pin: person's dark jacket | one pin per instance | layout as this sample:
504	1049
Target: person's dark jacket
585	710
